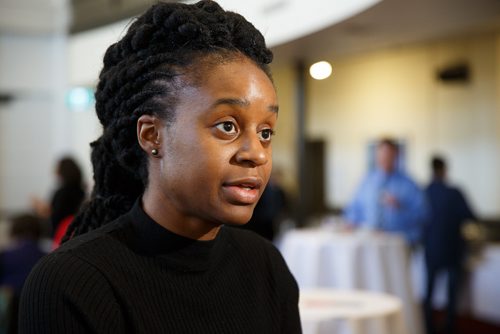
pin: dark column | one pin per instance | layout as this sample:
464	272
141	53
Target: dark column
300	95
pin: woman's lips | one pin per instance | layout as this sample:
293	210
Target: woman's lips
242	192
241	195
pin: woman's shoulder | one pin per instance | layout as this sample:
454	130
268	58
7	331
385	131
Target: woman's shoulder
85	250
57	269
71	285
80	262
74	254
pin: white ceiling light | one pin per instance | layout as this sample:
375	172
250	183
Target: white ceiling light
320	70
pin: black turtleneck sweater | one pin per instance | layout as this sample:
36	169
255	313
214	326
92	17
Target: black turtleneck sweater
134	276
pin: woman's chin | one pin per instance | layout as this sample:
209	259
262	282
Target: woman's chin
239	217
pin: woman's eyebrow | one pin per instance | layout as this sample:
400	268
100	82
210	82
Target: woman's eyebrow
240	103
274	108
232	102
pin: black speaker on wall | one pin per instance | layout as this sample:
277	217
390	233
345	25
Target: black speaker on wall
459	73
5	98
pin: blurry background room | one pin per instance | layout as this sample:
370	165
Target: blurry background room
424	72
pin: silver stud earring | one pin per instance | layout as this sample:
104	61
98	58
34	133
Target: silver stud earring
154	152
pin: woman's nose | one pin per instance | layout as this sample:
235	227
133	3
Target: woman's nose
252	151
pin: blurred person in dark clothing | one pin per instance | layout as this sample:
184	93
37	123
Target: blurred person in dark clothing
67	198
18	259
444	244
270	208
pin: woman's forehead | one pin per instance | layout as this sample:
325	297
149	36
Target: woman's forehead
204	65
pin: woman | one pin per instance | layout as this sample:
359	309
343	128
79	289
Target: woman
67	198
188	109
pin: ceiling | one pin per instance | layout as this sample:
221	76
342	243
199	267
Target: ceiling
281	21
386	23
276	18
42	17
88	14
33	17
396	22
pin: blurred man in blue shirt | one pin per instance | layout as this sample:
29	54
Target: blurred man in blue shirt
388	199
443	241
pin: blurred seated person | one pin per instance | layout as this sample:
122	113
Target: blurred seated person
388	199
270	208
444	244
18	259
67	198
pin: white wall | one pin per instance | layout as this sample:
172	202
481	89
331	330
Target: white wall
284	152
37	128
85	55
86	51
395	92
33	130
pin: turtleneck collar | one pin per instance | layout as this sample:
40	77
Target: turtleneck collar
152	239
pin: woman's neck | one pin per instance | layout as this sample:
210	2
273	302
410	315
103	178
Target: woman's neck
157	206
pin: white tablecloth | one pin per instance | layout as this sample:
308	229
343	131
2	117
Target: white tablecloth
485	286
353	260
480	290
329	311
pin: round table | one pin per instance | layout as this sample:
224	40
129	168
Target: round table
359	260
327	311
484	286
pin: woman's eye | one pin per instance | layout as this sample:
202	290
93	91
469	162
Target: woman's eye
227	127
266	134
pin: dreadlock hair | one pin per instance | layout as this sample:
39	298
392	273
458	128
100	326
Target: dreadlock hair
141	76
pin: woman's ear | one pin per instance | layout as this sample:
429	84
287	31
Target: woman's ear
149	134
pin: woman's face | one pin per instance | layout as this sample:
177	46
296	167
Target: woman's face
216	155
